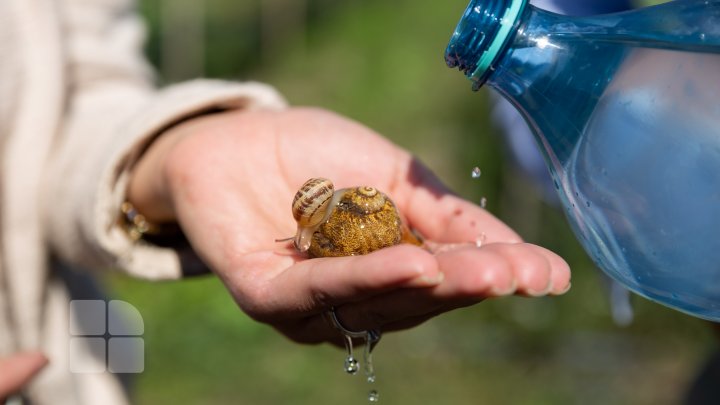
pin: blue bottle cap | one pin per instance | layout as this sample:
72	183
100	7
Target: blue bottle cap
481	34
507	21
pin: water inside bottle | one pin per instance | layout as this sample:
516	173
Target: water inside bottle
643	180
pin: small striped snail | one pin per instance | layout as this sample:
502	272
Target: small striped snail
346	222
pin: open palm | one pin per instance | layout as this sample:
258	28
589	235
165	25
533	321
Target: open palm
229	179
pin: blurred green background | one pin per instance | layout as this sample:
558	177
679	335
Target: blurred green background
380	62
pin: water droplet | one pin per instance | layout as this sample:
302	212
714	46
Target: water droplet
480	240
483	202
351	365
702	36
370	341
367	356
476	173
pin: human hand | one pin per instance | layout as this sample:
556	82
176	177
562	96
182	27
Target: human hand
228	179
17	370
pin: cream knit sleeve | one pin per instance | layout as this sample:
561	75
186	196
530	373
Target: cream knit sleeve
113	113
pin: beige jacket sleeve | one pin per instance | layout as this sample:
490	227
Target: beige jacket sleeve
114	112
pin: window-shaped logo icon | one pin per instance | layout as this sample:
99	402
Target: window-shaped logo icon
105	337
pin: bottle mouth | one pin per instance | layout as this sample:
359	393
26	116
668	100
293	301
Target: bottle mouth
480	36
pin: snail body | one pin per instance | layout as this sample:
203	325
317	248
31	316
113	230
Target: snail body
346	222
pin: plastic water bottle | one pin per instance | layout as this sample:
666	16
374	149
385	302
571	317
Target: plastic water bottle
626	108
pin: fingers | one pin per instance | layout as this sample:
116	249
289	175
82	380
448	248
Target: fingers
500	269
17	370
312	286
471	275
560	270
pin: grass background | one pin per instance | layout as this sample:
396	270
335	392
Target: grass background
380	62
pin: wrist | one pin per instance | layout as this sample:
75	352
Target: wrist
148	189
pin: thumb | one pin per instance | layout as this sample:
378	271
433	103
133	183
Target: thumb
17	370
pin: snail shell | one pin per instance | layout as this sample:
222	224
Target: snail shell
310	208
347	222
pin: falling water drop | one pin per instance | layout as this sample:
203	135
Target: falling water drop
370	341
371	338
367	357
351	365
483	202
476	173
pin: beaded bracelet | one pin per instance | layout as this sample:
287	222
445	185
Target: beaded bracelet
135	223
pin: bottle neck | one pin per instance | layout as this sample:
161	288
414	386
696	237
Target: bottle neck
481	36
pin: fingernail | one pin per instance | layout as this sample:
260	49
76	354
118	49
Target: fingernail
498	292
540	293
564	290
429	281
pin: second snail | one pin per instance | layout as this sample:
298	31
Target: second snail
346	222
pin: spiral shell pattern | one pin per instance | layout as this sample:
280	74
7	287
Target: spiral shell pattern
368	199
362	221
346	222
311	202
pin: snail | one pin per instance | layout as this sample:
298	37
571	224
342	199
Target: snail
346	222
